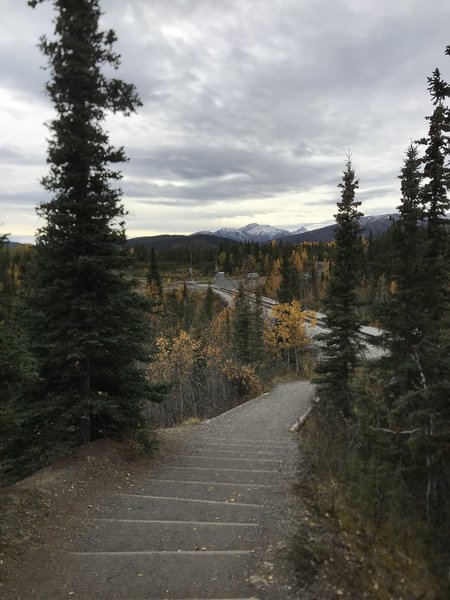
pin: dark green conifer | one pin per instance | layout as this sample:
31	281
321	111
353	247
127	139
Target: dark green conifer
17	368
242	328
417	369
89	326
257	331
403	314
340	344
208	306
188	308
228	262
153	276
435	198
290	280
430	408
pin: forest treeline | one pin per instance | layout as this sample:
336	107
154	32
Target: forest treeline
202	355
210	356
286	271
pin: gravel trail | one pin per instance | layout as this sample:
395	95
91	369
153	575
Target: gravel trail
210	520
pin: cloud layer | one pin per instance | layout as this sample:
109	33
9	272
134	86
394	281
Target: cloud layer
249	108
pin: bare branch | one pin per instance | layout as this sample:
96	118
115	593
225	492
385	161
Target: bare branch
406	432
415	358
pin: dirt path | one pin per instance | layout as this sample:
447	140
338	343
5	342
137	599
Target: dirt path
210	519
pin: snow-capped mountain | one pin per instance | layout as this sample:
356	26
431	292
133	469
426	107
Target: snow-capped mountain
372	225
231	233
377	224
262	233
253	232
299	231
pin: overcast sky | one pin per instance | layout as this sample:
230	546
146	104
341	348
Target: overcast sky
250	107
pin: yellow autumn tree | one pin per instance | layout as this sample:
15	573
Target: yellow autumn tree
220	332
285	335
273	280
203	377
243	377
177	362
299	259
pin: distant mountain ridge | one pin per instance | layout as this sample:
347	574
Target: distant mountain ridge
253	232
373	225
166	241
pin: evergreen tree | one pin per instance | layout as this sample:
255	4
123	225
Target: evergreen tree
257	330
188	308
340	351
228	262
402	315
290	280
247	328
154	280
17	367
173	310
242	328
208	306
435	198
416	319
89	324
429	405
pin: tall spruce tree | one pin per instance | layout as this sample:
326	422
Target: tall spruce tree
402	316
247	328
188	308
89	325
340	345
154	280
258	328
436	203
435	197
431	410
207	311
242	328
290	280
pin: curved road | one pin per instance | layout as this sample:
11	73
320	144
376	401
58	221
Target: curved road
370	348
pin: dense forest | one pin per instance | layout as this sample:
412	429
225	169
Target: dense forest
286	271
382	427
100	339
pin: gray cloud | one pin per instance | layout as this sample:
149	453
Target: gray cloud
245	105
14	155
20	200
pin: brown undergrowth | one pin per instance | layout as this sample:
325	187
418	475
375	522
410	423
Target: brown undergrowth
340	552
